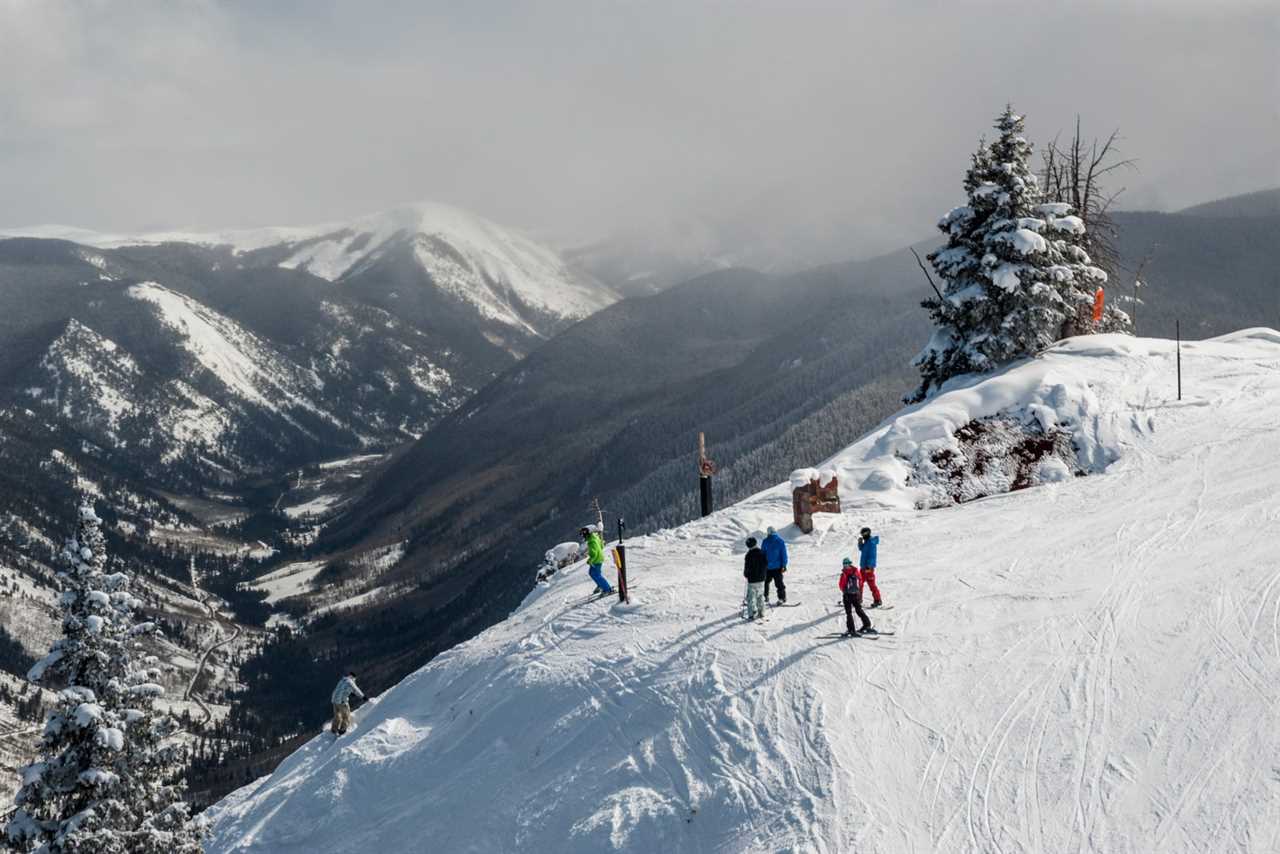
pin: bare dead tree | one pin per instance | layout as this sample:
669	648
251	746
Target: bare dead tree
925	270
1075	173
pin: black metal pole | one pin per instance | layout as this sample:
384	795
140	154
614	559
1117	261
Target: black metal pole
1177	328
622	565
704	482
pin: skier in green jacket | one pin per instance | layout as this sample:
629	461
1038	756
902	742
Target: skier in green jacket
595	559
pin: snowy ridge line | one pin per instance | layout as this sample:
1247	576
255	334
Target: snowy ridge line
466	255
1052	700
242	362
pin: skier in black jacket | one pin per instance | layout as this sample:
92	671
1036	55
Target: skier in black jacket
755	570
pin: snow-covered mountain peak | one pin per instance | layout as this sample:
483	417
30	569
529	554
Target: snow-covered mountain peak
475	260
1063	674
501	272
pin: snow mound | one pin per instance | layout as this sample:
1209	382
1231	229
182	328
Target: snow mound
929	455
1075	667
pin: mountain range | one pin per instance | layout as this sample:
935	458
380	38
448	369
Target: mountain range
376	428
182	378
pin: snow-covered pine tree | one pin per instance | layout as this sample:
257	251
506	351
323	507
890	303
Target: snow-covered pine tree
1017	277
108	778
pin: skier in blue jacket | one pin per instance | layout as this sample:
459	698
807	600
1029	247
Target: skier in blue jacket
867	556
775	551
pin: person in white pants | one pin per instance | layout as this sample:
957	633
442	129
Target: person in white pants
755	570
341	700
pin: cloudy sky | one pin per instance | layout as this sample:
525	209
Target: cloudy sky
835	128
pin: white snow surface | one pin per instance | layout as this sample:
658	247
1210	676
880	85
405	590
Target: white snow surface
1092	665
318	506
289	580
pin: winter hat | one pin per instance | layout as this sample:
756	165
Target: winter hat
769	530
751	542
847	562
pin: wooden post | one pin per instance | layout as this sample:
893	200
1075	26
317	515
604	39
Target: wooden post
1177	328
705	470
623	596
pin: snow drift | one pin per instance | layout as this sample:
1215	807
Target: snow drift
1088	666
911	460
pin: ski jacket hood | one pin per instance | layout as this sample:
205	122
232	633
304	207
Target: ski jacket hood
346	687
775	550
755	566
867	551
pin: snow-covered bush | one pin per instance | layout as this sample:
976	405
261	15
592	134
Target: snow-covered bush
992	456
1017	277
108	778
557	558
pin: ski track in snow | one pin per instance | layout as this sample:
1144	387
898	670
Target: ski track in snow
1090	666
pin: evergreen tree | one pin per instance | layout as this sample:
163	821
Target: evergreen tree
1016	273
107	782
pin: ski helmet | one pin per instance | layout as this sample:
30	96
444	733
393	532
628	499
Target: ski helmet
866	532
769	530
847	562
751	542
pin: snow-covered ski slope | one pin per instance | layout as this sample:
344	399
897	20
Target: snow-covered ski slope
1092	665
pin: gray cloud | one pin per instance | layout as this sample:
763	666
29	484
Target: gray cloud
820	130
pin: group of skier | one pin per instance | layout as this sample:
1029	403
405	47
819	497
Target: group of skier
766	563
853	577
764	566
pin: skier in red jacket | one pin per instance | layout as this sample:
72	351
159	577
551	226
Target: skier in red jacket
851	588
